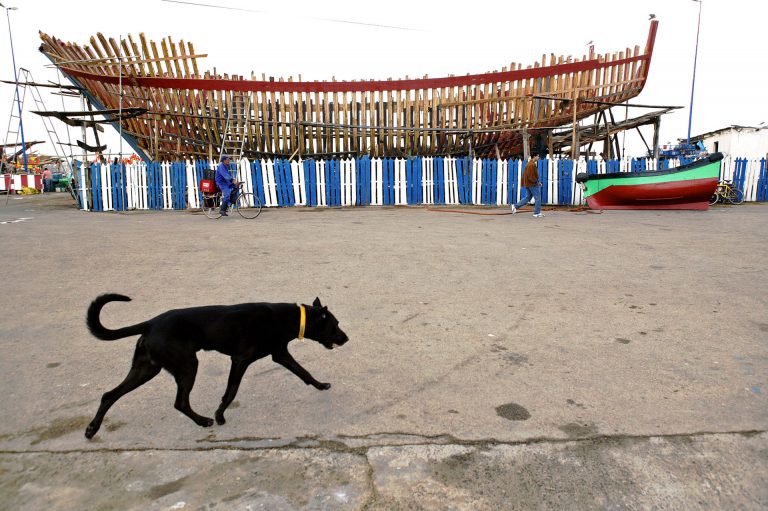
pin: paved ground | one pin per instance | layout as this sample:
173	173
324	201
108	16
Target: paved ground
580	361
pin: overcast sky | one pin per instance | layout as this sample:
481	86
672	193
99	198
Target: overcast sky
353	39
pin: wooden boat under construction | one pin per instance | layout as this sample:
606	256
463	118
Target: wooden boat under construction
186	113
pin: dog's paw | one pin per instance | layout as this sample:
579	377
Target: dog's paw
323	386
220	419
90	431
205	422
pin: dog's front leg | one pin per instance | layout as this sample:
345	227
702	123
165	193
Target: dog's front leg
286	360
236	373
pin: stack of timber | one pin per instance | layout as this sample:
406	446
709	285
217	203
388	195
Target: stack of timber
192	114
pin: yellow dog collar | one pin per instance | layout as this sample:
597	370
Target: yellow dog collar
302	321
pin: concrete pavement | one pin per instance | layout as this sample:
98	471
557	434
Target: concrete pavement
581	361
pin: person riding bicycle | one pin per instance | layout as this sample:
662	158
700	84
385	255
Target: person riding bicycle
226	184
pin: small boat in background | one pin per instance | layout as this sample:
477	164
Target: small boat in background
685	187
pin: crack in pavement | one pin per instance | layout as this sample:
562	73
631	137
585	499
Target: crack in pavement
440	440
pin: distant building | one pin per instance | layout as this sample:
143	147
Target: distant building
737	141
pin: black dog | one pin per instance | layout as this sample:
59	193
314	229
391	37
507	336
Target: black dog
245	332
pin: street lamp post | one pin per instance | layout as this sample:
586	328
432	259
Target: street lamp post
16	79
693	82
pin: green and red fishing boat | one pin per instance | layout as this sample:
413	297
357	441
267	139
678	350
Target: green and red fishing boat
686	187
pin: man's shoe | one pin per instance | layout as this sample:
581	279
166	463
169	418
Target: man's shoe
514	209
540	215
223	212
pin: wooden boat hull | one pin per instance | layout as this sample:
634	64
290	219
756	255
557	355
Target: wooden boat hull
686	187
193	114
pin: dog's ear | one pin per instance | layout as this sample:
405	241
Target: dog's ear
317	303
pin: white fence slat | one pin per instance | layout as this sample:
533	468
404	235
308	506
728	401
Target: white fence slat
401	197
299	187
451	182
270	186
377	185
320	173
80	186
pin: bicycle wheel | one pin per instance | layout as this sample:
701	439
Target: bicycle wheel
737	197
248	205
210	205
715	197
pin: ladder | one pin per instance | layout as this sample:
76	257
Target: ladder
13	132
236	128
26	81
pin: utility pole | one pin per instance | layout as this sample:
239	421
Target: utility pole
693	82
16	79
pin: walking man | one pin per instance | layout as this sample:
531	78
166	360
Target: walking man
532	187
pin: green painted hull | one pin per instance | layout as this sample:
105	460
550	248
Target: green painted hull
686	187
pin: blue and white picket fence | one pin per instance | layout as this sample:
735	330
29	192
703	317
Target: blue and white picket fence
369	181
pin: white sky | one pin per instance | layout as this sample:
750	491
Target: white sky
295	37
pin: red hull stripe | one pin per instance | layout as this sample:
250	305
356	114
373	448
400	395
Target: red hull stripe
690	194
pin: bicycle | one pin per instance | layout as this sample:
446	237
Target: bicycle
726	192
246	204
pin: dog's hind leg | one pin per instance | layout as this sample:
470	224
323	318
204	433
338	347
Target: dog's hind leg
142	370
184	371
286	360
236	373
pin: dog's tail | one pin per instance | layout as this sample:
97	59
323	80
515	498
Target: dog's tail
100	331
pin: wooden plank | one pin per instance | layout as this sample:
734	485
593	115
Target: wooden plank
175	106
346	133
181	96
133	93
317	117
293	116
157	98
337	113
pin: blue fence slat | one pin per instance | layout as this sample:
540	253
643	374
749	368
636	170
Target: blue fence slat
277	170
762	181
739	173
200	166
283	167
258	180
413	181
179	180
485	179
416	175
97	203
438	173
363	181
494	181
409	181
464	180
123	188
612	166
512	184
332	183
543	167
565	179
310	181
388	181
154	186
